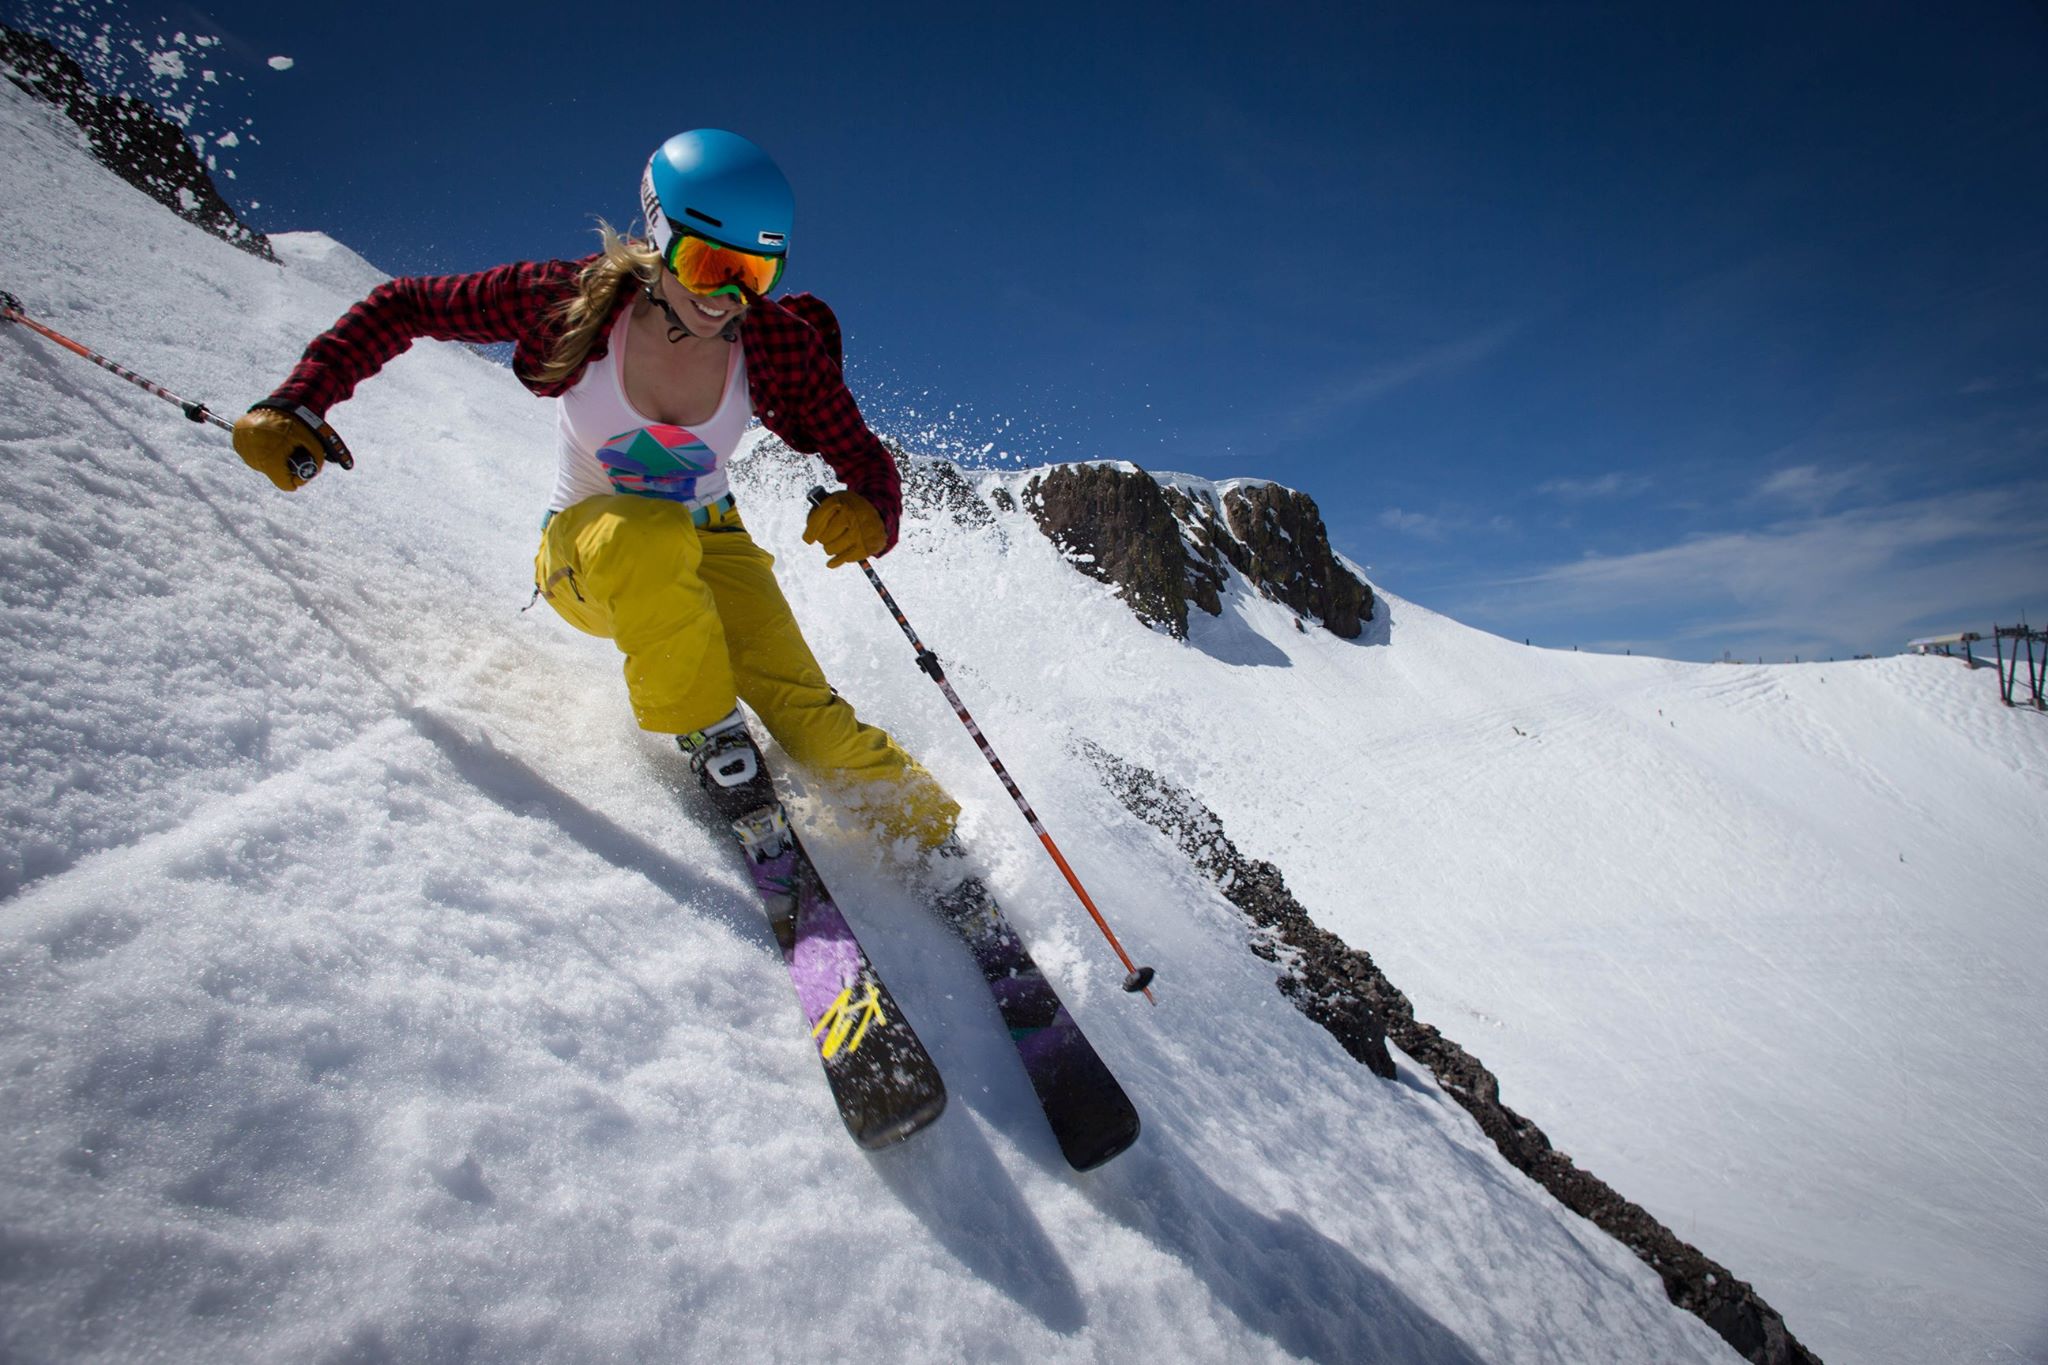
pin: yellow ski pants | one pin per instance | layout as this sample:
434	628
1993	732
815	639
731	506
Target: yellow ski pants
701	620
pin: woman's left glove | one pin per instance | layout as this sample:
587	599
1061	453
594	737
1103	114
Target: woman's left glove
848	526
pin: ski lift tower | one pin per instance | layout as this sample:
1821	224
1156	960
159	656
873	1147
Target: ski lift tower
2022	637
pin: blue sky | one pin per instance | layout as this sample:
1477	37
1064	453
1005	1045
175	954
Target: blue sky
1687	331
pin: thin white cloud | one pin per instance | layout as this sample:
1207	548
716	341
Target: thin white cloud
1855	578
1419	524
1618	484
2001	383
1814	486
1376	381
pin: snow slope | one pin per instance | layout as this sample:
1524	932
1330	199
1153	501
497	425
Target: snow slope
368	990
371	994
1760	946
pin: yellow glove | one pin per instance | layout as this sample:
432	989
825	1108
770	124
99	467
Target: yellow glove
848	526
284	446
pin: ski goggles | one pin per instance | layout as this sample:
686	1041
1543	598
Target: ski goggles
703	266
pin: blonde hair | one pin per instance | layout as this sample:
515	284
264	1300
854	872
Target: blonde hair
624	262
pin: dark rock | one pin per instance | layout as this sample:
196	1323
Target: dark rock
1168	548
131	139
1207	566
1280	532
1342	989
1320	974
1115	525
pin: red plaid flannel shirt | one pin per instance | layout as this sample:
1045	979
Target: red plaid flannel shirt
792	346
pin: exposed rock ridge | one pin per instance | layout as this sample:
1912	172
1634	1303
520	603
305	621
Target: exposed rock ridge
1287	553
131	139
1342	989
1115	525
1326	980
1166	547
1163	547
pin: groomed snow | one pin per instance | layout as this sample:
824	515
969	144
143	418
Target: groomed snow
369	989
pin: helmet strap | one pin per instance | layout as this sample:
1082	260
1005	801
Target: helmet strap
676	330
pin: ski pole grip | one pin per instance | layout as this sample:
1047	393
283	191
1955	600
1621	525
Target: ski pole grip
816	495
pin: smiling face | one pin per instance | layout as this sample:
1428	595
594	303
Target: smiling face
702	316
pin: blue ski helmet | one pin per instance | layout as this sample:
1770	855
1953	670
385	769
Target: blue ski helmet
717	185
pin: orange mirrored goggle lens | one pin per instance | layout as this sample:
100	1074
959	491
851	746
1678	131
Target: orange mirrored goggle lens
705	267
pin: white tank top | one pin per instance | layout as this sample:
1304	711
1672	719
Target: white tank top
606	446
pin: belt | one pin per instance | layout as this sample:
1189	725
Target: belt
701	516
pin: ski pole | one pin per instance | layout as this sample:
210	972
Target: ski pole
302	465
1140	978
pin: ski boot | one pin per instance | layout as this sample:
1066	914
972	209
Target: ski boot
729	768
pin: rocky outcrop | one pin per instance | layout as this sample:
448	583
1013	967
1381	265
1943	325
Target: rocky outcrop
1281	546
1115	525
1203	534
131	139
1167	548
1164	548
1342	989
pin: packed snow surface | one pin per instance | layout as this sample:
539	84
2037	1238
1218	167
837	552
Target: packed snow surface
371	989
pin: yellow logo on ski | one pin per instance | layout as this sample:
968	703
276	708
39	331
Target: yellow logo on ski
844	1018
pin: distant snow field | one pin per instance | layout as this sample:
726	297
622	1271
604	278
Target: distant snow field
370	989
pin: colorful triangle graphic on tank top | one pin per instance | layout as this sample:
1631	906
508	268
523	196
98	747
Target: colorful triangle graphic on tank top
657	462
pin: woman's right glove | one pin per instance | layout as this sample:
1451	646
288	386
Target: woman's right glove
287	445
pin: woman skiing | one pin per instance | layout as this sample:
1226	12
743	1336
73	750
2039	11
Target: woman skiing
658	351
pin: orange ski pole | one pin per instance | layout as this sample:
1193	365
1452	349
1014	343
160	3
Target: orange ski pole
1139	978
302	465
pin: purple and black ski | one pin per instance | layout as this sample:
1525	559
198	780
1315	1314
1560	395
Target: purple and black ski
1088	1111
883	1080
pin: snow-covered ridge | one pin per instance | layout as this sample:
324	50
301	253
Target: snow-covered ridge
318	259
129	136
370	989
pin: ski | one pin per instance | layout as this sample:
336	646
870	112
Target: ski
883	1080
1090	1116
